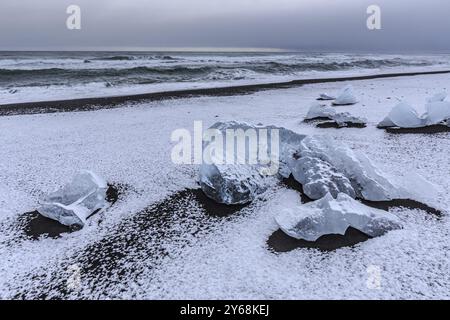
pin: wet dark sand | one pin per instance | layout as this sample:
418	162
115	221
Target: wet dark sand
36	225
87	104
335	125
438	128
141	240
281	242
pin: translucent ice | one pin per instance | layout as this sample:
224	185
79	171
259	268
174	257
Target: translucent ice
325	96
318	110
437	112
240	181
346	97
403	115
73	203
337	162
334	216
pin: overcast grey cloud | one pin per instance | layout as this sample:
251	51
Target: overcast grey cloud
333	25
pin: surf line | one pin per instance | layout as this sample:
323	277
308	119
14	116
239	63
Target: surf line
193	310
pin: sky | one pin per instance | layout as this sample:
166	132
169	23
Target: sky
307	25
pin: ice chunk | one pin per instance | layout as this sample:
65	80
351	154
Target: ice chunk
73	203
318	178
366	181
403	115
437	112
346	97
438	97
240	182
318	110
342	118
325	96
334	216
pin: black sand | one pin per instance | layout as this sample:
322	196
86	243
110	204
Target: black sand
87	104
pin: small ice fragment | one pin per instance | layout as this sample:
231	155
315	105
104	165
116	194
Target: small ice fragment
334	216
73	203
346	97
325	96
318	110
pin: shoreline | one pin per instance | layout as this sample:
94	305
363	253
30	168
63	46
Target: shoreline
89	104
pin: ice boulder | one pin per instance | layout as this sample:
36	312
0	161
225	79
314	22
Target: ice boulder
339	169
240	181
334	216
346	97
74	202
318	111
437	112
325	97
403	115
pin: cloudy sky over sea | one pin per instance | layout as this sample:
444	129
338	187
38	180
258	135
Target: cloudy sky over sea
286	24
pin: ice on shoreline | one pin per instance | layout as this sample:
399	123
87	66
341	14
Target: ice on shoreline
318	111
346	97
74	202
242	182
403	115
334	216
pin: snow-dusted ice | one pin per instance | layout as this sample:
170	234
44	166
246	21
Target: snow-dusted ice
74	202
325	165
403	115
346	97
326	96
318	110
334	216
240	182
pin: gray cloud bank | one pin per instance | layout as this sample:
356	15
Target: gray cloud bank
329	25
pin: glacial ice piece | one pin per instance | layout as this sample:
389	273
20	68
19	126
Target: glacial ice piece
240	182
346	97
319	178
342	118
318	110
366	182
403	115
437	112
438	97
325	96
334	216
73	203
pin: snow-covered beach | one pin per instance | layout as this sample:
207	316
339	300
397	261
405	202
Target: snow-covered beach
159	241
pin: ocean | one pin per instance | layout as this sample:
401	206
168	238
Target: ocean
40	76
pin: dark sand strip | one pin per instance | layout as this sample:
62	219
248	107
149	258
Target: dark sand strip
437	128
87	104
280	242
